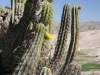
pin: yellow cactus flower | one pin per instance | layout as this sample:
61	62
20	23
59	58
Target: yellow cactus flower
48	35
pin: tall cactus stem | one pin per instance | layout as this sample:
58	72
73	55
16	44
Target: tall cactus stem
77	34
62	38
73	42
46	19
71	46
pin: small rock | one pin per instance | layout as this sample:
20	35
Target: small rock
97	56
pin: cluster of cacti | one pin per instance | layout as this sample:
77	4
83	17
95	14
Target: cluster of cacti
62	38
46	18
73	41
31	57
19	48
15	38
17	7
29	43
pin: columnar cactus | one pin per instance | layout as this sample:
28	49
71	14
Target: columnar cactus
77	33
25	45
73	42
62	38
20	6
32	54
46	19
47	15
17	7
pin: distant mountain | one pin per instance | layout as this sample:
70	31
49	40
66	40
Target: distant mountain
85	26
55	27
88	38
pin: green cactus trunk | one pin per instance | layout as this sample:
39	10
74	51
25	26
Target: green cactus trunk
46	19
31	57
17	7
76	36
62	38
73	42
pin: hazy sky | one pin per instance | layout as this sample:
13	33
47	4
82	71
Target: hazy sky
90	8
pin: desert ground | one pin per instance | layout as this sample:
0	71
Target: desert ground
89	42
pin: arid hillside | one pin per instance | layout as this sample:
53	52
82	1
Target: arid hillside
85	26
89	38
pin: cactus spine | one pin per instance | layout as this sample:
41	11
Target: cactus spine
73	42
62	37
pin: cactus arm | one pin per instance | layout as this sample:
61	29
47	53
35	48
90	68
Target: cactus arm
70	49
62	38
76	36
46	19
73	44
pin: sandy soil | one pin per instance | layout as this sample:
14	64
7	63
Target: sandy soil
89	40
